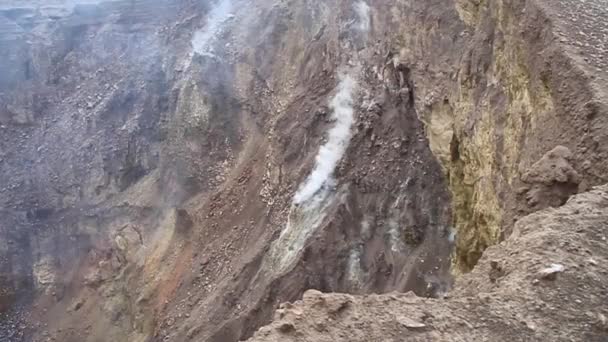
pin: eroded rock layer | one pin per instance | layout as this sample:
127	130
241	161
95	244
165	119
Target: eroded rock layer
544	283
174	169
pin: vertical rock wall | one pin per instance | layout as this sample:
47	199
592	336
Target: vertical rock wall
147	180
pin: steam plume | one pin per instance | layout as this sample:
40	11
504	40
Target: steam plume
203	37
339	136
362	9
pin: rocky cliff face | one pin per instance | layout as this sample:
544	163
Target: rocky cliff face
544	283
173	170
517	114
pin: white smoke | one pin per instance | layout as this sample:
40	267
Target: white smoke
362	9
452	235
204	36
339	136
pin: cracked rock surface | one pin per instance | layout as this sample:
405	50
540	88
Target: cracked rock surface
147	187
506	297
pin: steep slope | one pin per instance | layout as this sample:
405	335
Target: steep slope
174	169
197	133
522	129
496	100
509	296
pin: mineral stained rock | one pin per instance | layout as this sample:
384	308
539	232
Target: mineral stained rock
174	170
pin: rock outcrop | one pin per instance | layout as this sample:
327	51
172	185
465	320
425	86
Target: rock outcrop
506	297
153	156
503	93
